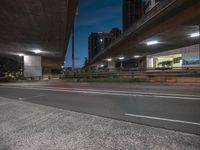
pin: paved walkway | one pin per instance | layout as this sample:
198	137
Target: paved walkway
27	126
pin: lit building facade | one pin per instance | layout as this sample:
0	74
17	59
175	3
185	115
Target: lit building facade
181	57
116	32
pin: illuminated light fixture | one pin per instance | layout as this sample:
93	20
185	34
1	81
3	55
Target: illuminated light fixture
121	58
195	34
109	59
101	40
21	54
102	65
136	56
62	67
152	42
37	51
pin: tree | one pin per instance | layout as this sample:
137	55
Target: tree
9	67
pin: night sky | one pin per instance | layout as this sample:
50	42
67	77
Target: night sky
94	16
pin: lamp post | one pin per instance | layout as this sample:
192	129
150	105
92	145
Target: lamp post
75	13
73	62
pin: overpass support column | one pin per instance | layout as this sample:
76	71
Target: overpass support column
199	45
32	66
150	62
111	65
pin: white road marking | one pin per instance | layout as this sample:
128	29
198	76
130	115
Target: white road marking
162	119
110	91
163	95
115	93
24	98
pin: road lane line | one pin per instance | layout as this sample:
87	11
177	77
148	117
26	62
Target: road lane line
24	98
162	119
118	94
113	93
110	91
125	92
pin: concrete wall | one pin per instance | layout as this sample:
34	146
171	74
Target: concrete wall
32	66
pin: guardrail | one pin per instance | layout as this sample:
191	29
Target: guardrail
139	73
134	73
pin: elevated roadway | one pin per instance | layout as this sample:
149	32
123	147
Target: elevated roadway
37	28
170	22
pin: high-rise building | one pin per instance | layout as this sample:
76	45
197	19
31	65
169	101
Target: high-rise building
132	11
97	42
116	32
149	4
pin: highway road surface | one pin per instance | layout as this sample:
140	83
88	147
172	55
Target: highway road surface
175	107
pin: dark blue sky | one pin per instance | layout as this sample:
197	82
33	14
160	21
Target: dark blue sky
94	16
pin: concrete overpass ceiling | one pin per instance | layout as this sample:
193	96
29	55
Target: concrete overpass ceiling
174	38
28	25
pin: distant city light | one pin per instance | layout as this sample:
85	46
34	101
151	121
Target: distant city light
37	51
195	34
121	58
109	59
136	56
152	42
101	40
21	54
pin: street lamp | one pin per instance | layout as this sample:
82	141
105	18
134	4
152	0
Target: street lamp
102	65
121	58
152	42
109	59
37	51
194	34
136	56
21	54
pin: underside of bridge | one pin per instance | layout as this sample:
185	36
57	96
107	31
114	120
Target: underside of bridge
170	22
39	28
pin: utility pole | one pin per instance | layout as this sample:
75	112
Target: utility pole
75	13
73	61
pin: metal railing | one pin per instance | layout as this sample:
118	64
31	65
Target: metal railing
137	73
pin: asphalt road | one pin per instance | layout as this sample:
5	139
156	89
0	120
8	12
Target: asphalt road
166	106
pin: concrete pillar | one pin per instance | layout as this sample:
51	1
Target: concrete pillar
150	62
121	66
32	66
111	65
199	45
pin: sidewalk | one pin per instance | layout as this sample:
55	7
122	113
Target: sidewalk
26	126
